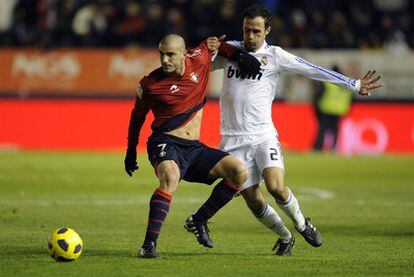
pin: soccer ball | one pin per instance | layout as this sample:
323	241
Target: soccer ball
65	245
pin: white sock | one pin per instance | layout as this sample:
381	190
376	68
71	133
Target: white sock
291	208
272	220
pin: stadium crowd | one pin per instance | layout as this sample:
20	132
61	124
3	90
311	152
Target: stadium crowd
366	24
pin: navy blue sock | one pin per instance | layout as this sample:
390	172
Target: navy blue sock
159	207
222	193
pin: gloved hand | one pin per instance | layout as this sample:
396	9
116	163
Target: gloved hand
130	161
248	64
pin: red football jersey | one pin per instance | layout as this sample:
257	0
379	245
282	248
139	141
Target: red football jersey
173	100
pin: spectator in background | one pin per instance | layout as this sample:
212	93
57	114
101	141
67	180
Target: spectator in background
63	35
387	27
47	12
200	15
155	23
390	6
25	23
331	103
317	34
298	23
6	21
341	36
176	23
89	24
227	12
298	28
397	44
132	25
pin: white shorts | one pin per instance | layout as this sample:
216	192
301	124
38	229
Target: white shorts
257	152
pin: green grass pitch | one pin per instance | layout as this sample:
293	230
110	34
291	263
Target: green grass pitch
364	207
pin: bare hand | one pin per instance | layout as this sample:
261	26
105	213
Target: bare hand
213	43
368	82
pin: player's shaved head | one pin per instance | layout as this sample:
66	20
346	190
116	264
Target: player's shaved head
172	54
173	39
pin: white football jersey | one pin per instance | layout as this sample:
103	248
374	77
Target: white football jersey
246	103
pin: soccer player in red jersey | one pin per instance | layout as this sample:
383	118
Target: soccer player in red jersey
176	94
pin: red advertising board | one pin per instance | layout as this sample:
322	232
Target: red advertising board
102	125
74	72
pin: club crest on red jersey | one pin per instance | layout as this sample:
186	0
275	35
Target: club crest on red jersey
194	77
174	88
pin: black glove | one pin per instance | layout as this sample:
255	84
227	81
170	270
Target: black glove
248	64
130	161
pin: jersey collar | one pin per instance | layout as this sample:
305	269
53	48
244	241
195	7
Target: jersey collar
261	49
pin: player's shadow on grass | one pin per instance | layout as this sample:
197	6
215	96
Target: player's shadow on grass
199	254
34	251
24	251
40	251
128	254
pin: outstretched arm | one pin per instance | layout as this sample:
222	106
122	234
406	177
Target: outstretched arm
292	63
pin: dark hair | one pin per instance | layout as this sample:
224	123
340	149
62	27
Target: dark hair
256	10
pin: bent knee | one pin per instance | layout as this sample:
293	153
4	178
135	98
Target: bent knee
169	177
239	174
277	189
169	183
170	180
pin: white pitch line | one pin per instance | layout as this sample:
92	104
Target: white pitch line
316	193
304	194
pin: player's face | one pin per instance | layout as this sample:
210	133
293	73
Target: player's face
172	58
254	33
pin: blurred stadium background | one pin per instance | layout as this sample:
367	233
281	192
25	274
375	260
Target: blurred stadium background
58	57
68	69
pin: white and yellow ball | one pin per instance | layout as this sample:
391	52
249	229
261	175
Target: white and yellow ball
65	245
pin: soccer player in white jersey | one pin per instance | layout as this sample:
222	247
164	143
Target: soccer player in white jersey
248	131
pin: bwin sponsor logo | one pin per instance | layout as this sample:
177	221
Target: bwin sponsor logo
236	73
